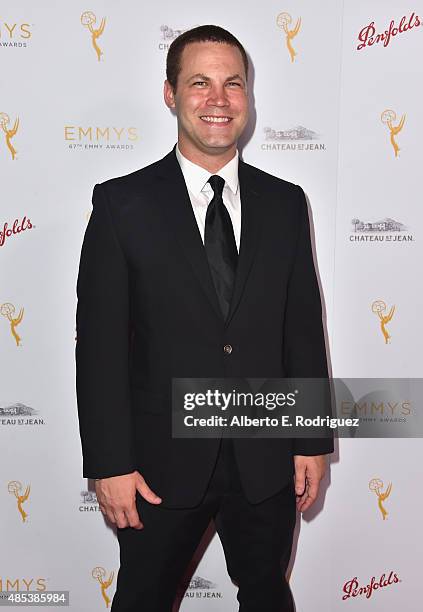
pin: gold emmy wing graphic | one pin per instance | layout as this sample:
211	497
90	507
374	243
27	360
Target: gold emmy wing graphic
88	20
283	20
8	310
14	487
99	573
4	124
388	117
376	485
379	308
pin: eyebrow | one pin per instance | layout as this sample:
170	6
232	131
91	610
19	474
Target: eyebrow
203	77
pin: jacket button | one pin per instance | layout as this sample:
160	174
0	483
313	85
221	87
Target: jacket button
227	349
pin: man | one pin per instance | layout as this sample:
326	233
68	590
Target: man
198	265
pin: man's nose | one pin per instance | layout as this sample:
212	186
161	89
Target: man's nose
218	97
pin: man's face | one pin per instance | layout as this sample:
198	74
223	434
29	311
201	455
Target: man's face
211	98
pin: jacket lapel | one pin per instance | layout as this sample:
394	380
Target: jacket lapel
251	223
178	214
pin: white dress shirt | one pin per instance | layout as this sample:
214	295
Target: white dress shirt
201	194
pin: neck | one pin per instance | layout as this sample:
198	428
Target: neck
212	163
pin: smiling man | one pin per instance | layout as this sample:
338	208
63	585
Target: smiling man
207	85
198	265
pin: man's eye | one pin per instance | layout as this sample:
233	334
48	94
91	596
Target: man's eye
200	83
234	83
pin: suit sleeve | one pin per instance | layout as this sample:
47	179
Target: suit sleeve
102	325
304	342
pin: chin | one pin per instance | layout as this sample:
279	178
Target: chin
219	144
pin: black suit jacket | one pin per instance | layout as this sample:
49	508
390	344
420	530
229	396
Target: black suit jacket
147	311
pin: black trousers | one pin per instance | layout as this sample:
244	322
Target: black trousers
256	538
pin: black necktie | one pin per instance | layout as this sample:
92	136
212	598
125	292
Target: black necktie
219	242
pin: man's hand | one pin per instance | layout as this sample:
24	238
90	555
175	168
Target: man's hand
309	471
116	498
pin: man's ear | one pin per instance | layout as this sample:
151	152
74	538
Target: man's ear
169	94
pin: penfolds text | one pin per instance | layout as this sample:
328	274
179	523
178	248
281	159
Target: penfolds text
352	588
16	228
369	36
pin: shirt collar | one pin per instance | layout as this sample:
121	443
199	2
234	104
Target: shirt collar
196	177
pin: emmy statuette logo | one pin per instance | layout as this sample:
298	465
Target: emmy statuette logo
283	21
88	19
376	485
99	574
379	308
9	132
388	117
15	488
8	310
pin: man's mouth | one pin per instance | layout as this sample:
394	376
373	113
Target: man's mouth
214	119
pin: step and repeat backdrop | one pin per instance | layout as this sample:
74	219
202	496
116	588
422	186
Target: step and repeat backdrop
336	107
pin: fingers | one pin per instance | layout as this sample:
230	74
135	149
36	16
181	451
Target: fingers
145	491
309	497
301	499
129	518
117	499
122	518
309	471
300	482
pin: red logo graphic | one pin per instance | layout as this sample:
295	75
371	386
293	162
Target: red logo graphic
352	588
17	228
368	37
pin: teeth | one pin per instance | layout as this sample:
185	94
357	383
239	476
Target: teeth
216	119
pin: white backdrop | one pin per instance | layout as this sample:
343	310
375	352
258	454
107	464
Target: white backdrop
86	115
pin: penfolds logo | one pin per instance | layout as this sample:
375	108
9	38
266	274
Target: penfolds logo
368	35
16	228
352	588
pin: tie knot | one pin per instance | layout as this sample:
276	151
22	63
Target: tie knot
217	183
